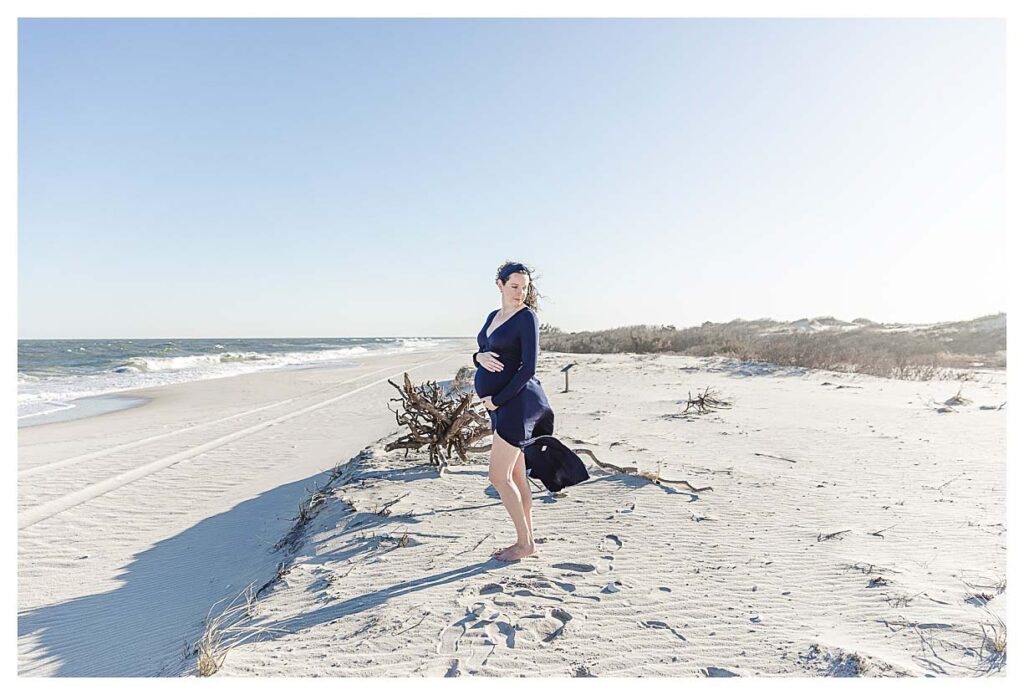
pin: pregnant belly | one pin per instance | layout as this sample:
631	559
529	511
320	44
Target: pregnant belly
488	383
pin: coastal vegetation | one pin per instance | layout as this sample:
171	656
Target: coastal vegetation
898	351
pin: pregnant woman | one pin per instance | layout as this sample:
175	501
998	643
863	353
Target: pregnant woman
521	417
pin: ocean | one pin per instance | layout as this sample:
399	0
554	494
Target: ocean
52	374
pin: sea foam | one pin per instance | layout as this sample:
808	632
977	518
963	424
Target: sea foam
55	389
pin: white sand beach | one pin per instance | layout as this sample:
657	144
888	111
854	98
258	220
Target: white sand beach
134	523
852	529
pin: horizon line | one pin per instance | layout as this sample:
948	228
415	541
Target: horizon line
424	337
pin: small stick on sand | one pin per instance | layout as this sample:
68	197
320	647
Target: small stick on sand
830	536
474	547
954	478
385	509
780	458
879	532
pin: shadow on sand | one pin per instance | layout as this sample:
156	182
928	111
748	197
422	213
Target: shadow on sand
141	627
162	597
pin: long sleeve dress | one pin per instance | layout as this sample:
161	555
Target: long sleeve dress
524	417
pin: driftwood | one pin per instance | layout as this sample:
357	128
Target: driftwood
632	470
705	402
443	421
958	399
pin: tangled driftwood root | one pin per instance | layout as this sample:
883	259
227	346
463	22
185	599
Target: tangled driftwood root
443	420
705	402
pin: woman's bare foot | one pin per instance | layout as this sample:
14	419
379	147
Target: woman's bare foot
500	551
517	552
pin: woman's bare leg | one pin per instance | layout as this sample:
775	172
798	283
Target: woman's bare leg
503	460
498	446
525	492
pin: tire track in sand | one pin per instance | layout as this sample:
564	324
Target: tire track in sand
45	511
127	446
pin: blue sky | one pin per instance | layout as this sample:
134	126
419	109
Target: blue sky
225	178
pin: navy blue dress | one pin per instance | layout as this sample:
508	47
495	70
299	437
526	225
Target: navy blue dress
524	417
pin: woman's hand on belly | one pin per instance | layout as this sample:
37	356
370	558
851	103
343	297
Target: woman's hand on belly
489	361
488	383
488	403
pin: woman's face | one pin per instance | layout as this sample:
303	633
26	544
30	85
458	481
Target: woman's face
514	289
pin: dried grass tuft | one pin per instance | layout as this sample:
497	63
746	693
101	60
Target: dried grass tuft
226	630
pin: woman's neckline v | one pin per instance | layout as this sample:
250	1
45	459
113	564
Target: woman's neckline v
488	335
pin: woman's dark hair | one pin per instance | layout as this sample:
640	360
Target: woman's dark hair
531	292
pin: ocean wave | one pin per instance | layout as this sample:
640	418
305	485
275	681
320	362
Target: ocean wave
173	364
409	344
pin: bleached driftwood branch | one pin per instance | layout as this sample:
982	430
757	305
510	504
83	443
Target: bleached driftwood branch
443	421
705	402
632	470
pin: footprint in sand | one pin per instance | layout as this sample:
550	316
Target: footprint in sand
530	592
543	627
580	567
538	586
562	617
506	593
448	642
478	656
475	637
484	613
539	581
658	624
567	587
493	632
508	632
611	543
